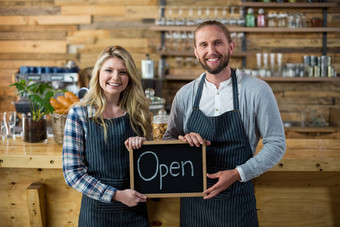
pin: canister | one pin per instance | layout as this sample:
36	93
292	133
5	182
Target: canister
156	103
159	124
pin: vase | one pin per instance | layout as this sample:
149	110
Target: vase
35	131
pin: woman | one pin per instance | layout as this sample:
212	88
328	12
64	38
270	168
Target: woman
95	160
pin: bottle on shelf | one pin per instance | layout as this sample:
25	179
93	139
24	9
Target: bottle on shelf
261	18
170	21
250	19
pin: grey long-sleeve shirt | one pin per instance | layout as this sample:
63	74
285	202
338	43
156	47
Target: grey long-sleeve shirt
260	116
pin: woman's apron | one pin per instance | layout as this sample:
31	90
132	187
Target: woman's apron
109	162
235	206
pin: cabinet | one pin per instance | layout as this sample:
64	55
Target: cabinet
244	53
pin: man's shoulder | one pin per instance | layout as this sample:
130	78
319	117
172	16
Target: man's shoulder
253	83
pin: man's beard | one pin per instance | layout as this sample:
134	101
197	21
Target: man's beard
219	68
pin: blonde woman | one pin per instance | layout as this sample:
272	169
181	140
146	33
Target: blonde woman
112	115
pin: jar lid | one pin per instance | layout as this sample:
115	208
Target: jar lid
161	117
150	94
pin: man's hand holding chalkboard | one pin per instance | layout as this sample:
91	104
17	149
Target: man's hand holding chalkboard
225	179
194	138
129	197
134	142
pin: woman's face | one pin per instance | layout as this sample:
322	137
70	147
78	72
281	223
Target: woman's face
113	77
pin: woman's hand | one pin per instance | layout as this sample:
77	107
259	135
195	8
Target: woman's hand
194	138
129	197
134	142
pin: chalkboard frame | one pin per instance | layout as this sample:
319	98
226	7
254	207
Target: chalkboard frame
175	194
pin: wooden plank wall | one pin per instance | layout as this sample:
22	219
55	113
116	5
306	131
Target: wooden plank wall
48	33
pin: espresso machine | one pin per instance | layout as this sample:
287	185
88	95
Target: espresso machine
59	77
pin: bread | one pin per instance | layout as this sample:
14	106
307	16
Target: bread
56	105
64	101
70	96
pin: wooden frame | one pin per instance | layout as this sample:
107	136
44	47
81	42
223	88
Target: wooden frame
158	194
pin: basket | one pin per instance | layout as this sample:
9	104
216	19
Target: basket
58	123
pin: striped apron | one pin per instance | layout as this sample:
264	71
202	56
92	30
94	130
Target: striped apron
109	162
235	206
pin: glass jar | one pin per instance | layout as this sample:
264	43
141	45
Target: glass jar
157	103
272	19
159	124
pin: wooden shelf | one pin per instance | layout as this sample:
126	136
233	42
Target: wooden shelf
254	30
268	79
300	79
191	53
288	5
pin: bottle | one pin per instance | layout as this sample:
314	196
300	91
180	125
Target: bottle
250	19
260	18
147	68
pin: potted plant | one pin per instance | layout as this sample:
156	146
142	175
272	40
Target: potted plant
38	95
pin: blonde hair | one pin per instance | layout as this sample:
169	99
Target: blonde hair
132	99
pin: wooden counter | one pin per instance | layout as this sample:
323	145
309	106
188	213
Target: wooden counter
301	155
302	189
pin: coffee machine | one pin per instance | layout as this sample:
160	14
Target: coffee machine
59	77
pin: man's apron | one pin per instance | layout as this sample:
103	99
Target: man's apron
109	162
235	206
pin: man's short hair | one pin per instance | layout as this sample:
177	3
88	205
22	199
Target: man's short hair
213	23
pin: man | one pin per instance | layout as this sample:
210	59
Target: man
230	111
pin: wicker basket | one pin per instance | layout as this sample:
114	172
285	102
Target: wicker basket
58	123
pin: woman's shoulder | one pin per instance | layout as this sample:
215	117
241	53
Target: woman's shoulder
81	111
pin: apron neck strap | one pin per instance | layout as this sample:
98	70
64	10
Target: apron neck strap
235	90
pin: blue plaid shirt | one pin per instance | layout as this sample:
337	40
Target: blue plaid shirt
74	166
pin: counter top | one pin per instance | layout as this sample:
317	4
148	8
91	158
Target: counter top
19	154
301	155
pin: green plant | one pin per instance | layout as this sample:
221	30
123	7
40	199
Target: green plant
39	95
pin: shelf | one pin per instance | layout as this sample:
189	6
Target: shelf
191	53
267	79
300	79
287	5
254	30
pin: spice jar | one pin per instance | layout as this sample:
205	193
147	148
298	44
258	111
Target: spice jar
159	124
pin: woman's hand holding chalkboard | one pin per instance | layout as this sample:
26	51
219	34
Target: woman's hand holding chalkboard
129	197
194	138
225	179
134	142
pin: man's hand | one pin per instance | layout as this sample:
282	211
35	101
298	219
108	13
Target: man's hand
225	179
129	197
134	142
194	138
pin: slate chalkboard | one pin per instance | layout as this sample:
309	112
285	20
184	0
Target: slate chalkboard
168	169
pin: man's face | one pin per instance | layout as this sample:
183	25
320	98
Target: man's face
212	49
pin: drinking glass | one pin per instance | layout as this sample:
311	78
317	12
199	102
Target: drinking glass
11	123
224	16
199	18
4	125
258	60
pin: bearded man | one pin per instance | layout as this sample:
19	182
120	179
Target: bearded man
229	111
